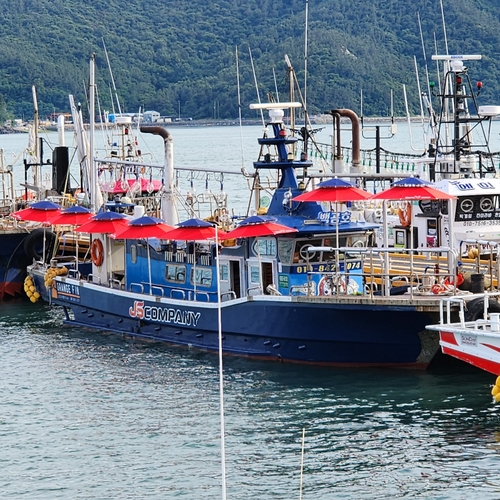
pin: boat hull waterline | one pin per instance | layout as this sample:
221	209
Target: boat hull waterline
288	329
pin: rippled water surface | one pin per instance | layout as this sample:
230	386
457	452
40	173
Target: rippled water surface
88	415
85	415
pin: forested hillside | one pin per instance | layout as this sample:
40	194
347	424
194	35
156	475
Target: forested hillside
179	56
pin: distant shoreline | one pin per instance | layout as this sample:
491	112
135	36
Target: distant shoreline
315	120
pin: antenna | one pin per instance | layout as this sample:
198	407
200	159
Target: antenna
276	86
444	27
256	86
437	64
239	105
305	56
112	78
425	58
361	105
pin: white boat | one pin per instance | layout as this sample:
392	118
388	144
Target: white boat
475	337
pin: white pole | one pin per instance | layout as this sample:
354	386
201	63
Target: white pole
386	245
302	461
93	173
221	371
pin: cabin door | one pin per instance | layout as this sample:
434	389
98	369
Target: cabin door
231	278
261	274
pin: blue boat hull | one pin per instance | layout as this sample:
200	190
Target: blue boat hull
280	328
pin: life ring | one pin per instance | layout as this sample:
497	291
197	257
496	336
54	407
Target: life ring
97	252
405	215
437	289
34	244
452	281
475	308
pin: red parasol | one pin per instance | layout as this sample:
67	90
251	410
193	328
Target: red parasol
104	222
334	190
256	226
195	230
412	188
72	216
143	227
41	211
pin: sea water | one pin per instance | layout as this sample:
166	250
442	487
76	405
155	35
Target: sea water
92	415
86	414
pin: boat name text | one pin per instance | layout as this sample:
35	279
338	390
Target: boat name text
467	186
163	314
468	339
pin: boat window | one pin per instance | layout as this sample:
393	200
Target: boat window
356	240
328	256
175	273
285	247
203	276
264	247
301	254
254	275
224	271
133	254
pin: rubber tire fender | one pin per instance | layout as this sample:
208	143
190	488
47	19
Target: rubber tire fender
474	308
33	244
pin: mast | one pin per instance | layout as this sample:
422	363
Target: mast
93	172
35	141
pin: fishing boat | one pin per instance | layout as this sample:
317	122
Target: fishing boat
294	296
332	287
22	242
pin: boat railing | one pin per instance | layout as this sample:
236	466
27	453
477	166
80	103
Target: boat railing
158	288
74	274
197	294
179	291
448	304
115	283
136	287
227	296
94	278
386	271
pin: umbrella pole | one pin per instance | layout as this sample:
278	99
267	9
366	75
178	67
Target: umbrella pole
149	271
337	255
43	250
194	268
386	246
76	244
411	253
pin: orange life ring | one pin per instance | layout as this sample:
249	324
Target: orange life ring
405	215
437	289
454	280
97	252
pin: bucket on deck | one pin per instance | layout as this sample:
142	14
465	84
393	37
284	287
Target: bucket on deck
477	283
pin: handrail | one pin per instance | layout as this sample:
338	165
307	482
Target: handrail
160	288
140	286
231	295
74	273
91	277
201	294
177	290
113	281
